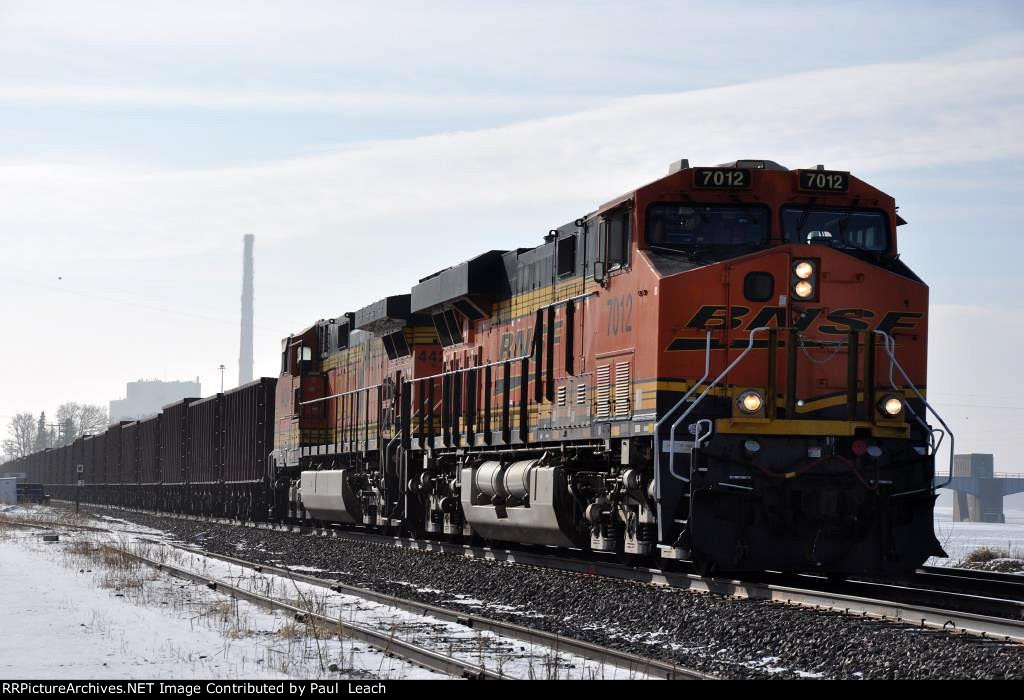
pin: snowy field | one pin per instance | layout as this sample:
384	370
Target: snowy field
74	609
69	615
958	539
77	609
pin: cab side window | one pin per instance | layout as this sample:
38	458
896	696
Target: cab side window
566	255
618	240
612	250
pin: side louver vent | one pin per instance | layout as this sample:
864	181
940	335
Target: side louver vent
602	392
622	390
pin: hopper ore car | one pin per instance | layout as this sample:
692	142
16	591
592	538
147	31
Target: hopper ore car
206	457
726	365
127	484
147	493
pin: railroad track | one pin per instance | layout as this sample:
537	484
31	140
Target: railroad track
604	655
424	656
990	583
925	591
903	602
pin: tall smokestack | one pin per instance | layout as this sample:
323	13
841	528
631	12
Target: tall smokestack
245	344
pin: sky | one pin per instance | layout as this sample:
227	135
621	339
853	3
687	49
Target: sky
367	145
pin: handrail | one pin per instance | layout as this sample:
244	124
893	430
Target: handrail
698	436
657	431
679	403
890	350
708	388
341	395
528	356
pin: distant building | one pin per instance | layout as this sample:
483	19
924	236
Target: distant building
146	397
8	492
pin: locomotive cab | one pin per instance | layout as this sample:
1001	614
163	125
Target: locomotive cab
790	439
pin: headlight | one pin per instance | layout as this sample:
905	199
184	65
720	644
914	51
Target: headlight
803	269
750	402
891	406
803	279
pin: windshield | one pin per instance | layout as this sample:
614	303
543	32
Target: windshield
693	226
858	229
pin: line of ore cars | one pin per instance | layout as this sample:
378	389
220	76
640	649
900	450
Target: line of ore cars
200	456
698	369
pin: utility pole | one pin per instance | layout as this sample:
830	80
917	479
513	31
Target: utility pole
80	472
59	439
221	368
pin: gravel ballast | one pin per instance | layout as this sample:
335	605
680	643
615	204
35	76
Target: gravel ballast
727	637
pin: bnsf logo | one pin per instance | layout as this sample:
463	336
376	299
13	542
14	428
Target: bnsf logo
837	322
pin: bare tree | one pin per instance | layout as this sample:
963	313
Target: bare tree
21	436
82	419
94	420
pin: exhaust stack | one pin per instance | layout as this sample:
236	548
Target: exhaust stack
245	343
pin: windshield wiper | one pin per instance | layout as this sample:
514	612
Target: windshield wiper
708	251
841	224
677	251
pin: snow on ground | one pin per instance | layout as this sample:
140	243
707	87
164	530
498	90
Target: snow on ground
958	539
65	615
510	656
493	651
245	642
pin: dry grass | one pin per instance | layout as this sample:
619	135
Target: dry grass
306	646
291	630
83	548
49	517
984	554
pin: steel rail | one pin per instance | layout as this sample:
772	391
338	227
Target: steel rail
916	591
441	663
996	584
925	616
605	655
980	574
427	658
587	650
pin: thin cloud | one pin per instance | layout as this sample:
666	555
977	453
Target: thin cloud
471	189
350	104
867	119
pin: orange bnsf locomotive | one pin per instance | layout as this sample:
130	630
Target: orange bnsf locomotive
726	365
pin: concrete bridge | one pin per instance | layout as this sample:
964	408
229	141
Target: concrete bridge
978	490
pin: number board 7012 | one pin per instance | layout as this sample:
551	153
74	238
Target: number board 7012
721	178
824	181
